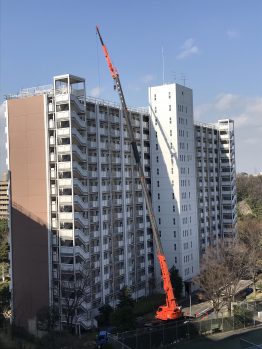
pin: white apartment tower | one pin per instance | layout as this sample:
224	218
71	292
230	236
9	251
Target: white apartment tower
173	176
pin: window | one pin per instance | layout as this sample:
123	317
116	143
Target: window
173	195
158	208
169	107
174	221
169	94
157	171
175	259
158	196
172	170
156	146
170	120
157	159
158	184
155	110
154	97
174	208
175	247
156	134
170	132
159	220
174	234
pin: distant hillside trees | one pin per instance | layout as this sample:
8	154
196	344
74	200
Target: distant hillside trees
249	189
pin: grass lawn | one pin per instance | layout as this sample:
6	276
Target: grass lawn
219	341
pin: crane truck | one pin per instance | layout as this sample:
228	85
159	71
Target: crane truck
170	310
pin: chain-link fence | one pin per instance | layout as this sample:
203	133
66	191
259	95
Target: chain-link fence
155	337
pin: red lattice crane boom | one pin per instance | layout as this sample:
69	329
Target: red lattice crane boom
171	310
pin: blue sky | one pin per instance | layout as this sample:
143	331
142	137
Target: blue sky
216	45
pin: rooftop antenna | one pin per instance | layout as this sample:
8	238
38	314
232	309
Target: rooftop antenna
183	78
163	65
174	76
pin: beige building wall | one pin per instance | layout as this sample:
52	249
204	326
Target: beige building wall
29	216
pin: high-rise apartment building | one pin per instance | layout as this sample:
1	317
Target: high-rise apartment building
173	176
216	181
77	205
78	216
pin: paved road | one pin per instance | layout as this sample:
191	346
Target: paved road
223	340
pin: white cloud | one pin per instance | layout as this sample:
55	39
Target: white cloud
96	92
247	115
189	48
147	78
225	101
232	34
245	111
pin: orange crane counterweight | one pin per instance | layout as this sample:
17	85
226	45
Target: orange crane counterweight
169	311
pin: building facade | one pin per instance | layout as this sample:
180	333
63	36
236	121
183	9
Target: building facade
216	182
173	176
79	200
4	196
78	218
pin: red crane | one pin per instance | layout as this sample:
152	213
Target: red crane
170	310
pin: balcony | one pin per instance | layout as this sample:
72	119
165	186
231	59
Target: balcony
66	216
62	115
93	174
119	215
104	131
117	187
94	219
104	159
92	159
65	199
67	267
63	132
94	189
93	204
64	166
106	188
115	133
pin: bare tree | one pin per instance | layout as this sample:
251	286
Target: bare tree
250	234
74	294
211	279
234	257
222	267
